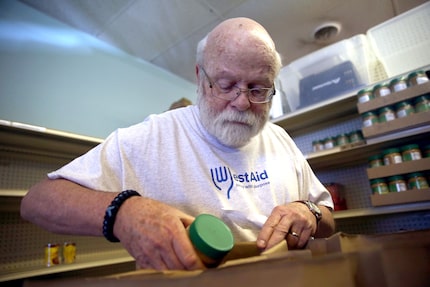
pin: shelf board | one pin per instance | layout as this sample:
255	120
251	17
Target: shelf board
86	261
382	210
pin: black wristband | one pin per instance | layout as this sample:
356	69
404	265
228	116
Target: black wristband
111	212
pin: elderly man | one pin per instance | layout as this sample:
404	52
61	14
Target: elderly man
221	157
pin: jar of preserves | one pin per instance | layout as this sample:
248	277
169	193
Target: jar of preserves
397	183
379	186
375	161
342	139
329	142
392	156
69	252
422	103
317	145
417	180
398	84
356	136
381	90
365	95
404	109
411	152
52	254
386	114
369	119
212	239
417	78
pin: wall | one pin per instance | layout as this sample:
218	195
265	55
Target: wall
54	76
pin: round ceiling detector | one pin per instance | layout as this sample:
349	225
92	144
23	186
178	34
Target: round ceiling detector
326	33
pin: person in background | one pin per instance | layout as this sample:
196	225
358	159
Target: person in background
221	156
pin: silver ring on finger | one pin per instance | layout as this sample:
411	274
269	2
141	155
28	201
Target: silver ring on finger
294	234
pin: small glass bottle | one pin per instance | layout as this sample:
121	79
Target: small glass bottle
386	114
397	183
317	145
375	161
417	180
411	152
398	84
329	142
379	186
356	136
342	139
417	78
369	119
404	109
392	156
212	239
381	90
422	103
365	95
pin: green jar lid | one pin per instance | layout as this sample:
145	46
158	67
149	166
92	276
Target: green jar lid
377	180
211	236
375	157
414	174
390	150
401	104
395	177
383	109
378	86
363	91
410	146
416	73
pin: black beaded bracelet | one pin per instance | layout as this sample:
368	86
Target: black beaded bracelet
111	212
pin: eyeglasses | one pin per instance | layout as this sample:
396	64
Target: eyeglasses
255	95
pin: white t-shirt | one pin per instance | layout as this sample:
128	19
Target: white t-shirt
170	157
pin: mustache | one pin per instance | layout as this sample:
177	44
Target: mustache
246	117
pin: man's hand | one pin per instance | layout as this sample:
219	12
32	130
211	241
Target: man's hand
155	235
293	222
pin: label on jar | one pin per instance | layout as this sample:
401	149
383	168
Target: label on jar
397	186
393	159
400	86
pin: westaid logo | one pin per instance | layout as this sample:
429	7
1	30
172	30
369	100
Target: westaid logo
224	180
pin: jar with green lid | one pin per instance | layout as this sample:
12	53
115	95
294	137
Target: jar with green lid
422	103
417	180
375	161
365	95
329	142
212	239
356	136
379	186
342	139
317	145
386	114
369	119
426	151
417	78
381	90
411	152
397	183
404	109
398	84
392	156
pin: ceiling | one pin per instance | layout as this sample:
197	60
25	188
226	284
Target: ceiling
166	32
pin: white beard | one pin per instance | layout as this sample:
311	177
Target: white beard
231	128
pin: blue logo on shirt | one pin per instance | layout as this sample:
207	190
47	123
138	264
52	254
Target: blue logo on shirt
224	179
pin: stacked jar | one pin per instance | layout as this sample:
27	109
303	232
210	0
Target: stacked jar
341	139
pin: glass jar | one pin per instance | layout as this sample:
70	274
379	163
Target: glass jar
365	95
375	161
211	237
317	145
369	119
411	152
379	186
404	109
381	90
417	78
422	103
426	150
398	84
417	180
356	136
392	156
386	114
397	183
342	139
329	142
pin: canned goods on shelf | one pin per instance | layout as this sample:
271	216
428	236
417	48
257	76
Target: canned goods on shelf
52	254
417	180
386	114
404	109
365	95
417	78
398	84
369	119
379	186
422	103
392	156
381	90
397	183
342	139
375	160
411	152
